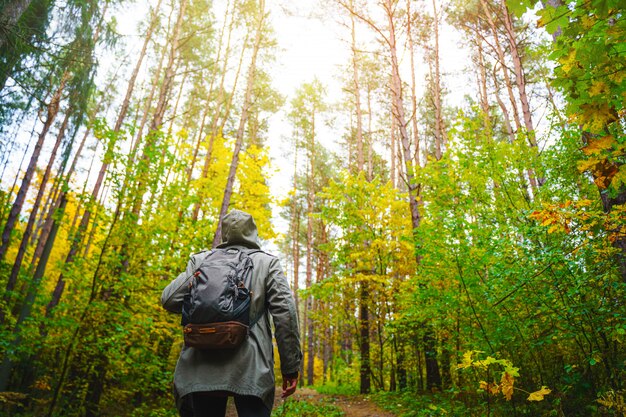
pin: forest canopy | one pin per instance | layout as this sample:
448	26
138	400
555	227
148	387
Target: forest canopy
455	239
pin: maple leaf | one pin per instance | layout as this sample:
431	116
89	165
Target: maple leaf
538	395
597	145
506	383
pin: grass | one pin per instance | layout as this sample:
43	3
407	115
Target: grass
301	408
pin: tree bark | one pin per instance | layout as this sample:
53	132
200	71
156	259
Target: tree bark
505	72
77	239
245	112
440	131
16	208
11	13
413	83
17	265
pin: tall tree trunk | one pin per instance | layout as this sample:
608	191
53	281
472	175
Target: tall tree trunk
295	232
222	106
482	87
416	141
440	131
245	112
357	98
500	53
52	110
17	265
78	238
503	108
520	78
433	374
309	254
365	368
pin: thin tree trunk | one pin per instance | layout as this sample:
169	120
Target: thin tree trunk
33	216
505	72
398	111
121	116
52	110
148	104
309	253
215	121
505	111
77	239
245	111
413	83
440	135
520	78
365	368
357	98
484	97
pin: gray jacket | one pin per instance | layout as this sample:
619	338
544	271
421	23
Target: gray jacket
249	369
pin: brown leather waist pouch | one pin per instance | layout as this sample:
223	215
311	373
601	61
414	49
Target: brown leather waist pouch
226	335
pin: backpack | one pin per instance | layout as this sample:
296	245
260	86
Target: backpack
216	310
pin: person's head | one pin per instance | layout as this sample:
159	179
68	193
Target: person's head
239	228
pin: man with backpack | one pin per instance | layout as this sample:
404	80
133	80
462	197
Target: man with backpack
226	297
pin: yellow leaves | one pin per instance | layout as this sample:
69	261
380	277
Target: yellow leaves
538	395
598	145
491	388
595	116
568	61
467	360
553	219
506	384
507	379
597	88
614	400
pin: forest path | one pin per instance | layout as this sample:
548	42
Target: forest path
352	405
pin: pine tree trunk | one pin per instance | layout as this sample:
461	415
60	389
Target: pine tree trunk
520	78
78	238
482	88
220	106
17	265
245	112
505	72
52	110
365	368
440	131
415	129
398	112
357	99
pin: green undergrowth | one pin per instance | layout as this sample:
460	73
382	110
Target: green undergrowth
330	389
461	404
408	404
302	408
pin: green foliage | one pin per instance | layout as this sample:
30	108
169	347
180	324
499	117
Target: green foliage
302	408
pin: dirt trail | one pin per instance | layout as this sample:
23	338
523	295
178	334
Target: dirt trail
353	406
